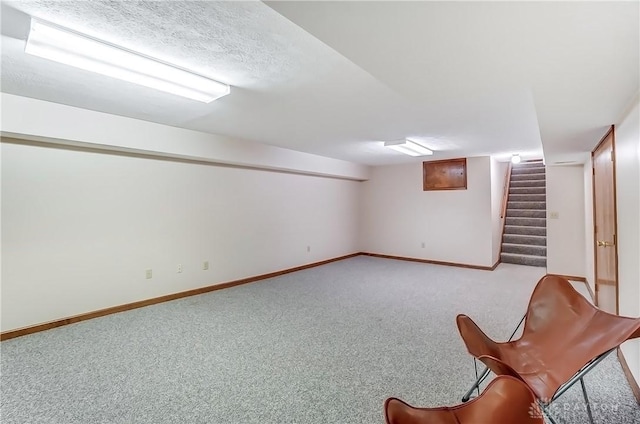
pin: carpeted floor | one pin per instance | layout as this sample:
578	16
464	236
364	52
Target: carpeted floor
324	345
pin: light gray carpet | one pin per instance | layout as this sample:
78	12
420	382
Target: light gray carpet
324	345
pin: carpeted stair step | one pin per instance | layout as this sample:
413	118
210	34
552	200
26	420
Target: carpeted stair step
530	260
524	249
527	170
527	197
527	222
525	230
526	213
524	239
529	183
526	205
527	177
531	164
527	190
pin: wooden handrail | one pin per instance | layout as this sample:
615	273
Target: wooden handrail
505	195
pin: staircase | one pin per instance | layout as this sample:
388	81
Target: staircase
525	233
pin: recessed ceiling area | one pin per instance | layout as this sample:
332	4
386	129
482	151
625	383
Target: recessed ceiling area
338	79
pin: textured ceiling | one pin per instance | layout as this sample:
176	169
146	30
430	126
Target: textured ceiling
337	78
579	60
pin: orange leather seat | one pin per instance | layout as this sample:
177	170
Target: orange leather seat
506	400
562	333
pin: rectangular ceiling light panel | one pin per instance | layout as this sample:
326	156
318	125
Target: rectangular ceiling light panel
70	48
408	147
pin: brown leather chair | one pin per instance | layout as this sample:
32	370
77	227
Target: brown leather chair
506	400
563	338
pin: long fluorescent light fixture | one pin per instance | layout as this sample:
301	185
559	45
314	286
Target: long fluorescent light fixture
74	49
408	147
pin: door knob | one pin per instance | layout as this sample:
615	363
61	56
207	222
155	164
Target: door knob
604	243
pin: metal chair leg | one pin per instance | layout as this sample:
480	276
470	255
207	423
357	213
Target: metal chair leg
475	366
485	373
476	385
586	399
546	412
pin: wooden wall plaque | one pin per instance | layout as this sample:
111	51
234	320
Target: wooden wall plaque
448	174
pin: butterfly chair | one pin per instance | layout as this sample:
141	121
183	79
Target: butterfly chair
564	337
506	400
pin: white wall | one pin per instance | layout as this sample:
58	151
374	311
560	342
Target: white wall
627	139
80	228
498	176
566	234
455	225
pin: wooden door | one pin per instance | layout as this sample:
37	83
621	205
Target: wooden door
604	211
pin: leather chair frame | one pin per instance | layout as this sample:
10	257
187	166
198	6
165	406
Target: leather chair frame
544	405
557	314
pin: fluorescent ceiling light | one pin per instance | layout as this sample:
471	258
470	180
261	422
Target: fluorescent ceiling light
515	158
74	49
408	147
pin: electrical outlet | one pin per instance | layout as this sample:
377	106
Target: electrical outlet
179	268
205	265
148	274
308	248
554	215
